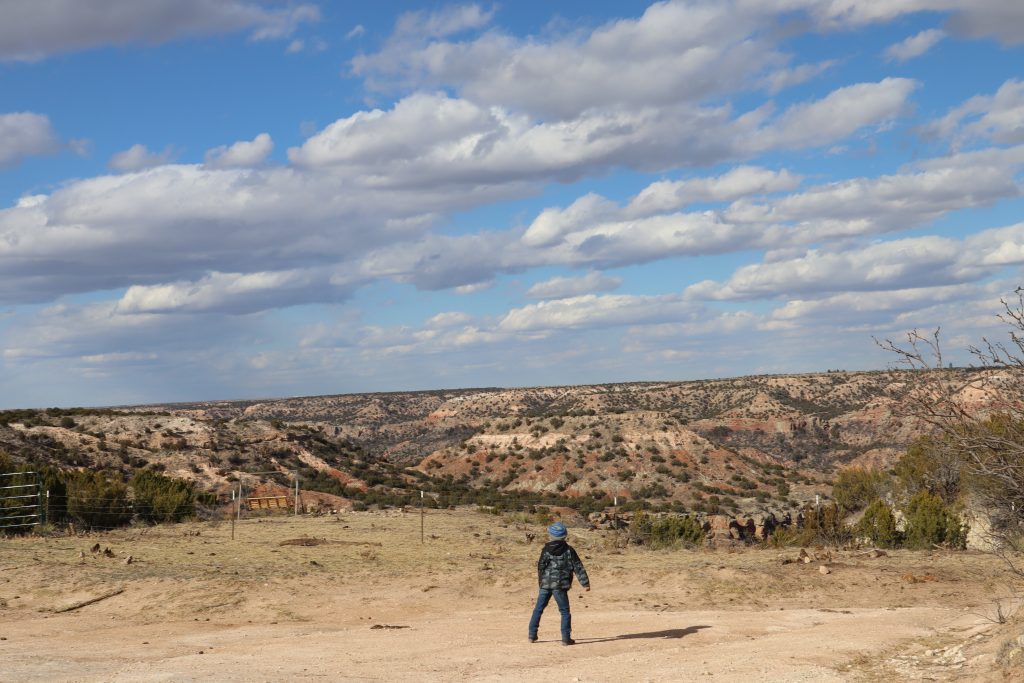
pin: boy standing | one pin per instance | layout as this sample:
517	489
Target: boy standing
558	560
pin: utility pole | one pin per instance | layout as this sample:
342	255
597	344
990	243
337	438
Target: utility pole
296	493
422	513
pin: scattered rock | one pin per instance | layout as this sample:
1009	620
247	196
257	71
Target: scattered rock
610	520
386	626
95	548
129	559
824	570
107	552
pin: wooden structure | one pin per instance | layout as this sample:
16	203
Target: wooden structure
268	503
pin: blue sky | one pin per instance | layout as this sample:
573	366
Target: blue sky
233	198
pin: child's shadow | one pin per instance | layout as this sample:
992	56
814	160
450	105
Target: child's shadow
666	634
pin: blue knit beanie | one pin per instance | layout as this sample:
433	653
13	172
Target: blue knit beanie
557	531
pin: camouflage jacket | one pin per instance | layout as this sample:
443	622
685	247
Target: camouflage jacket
558	560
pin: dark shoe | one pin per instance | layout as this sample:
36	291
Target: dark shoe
532	640
568	641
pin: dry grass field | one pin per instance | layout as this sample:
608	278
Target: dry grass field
358	597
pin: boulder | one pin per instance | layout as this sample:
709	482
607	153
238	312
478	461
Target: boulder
719	526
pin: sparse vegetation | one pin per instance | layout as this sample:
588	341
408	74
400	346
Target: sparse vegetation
666	532
97	499
162	499
878	526
855	488
931	523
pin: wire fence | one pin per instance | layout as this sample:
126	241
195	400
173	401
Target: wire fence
26	504
21	504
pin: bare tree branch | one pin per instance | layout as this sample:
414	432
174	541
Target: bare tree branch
977	416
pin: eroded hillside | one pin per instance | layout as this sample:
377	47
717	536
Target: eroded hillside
743	442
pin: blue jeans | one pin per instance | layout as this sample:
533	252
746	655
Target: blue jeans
562	600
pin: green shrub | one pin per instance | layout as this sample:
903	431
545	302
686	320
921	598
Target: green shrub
789	536
162	499
855	488
668	531
207	498
931	522
97	499
931	464
878	525
824	524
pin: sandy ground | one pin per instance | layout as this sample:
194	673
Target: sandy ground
197	606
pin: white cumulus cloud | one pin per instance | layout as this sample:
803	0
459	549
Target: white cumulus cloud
565	287
25	134
998	117
914	46
34	29
242	154
593	310
909	263
434	138
138	157
232	293
674	52
741	181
